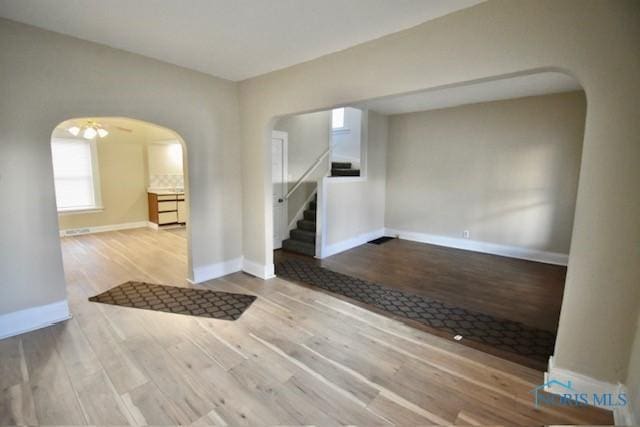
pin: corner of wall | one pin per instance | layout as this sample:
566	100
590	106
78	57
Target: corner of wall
623	415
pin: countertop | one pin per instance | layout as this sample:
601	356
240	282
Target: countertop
165	191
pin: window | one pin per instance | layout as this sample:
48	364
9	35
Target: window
75	174
337	118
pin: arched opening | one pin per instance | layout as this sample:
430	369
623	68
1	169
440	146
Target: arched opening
122	197
490	167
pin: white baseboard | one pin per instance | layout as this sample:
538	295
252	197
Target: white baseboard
484	247
213	271
345	245
627	415
300	213
104	228
261	271
622	415
30	319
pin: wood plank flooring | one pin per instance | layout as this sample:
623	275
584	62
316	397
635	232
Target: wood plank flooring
519	290
295	357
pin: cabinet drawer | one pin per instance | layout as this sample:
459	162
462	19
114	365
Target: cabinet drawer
167	218
167	206
166	197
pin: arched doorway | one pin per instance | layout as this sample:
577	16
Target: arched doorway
123	200
523	211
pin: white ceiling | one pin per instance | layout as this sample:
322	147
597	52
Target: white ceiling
234	39
515	87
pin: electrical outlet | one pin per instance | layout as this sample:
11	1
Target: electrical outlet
465	234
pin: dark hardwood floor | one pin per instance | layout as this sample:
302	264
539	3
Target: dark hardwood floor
518	290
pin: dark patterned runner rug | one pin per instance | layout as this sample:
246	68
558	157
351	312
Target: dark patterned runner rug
506	335
173	299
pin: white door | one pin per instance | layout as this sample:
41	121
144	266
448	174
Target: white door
279	180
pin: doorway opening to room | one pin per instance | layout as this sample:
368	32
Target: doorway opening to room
460	221
122	202
310	152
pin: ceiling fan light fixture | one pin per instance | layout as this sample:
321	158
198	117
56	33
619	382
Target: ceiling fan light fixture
89	133
74	130
102	133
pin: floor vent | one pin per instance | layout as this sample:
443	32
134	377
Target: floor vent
381	240
77	231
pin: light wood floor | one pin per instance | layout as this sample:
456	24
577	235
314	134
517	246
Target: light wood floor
295	357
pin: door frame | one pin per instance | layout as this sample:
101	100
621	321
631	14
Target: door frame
284	136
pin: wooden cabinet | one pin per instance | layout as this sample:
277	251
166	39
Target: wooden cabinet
167	209
182	212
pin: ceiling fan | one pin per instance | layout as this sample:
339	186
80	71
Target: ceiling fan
91	128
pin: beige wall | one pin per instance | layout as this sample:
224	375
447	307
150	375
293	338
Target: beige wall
48	78
164	159
122	168
507	171
308	137
595	41
355	206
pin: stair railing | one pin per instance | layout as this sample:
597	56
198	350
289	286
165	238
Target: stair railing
308	172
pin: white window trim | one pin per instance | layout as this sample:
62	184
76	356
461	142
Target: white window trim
76	211
340	131
97	192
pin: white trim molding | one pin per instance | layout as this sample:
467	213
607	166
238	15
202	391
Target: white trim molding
30	319
261	271
622	415
213	271
627	415
220	269
344	245
484	247
346	179
80	211
104	228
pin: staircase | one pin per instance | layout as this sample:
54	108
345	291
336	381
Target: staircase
303	238
343	169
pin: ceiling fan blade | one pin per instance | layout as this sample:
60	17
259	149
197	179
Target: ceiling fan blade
123	129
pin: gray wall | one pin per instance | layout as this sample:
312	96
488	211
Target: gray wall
356	206
507	171
48	78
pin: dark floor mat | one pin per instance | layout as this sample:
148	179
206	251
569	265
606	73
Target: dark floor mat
173	299
381	240
505	335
